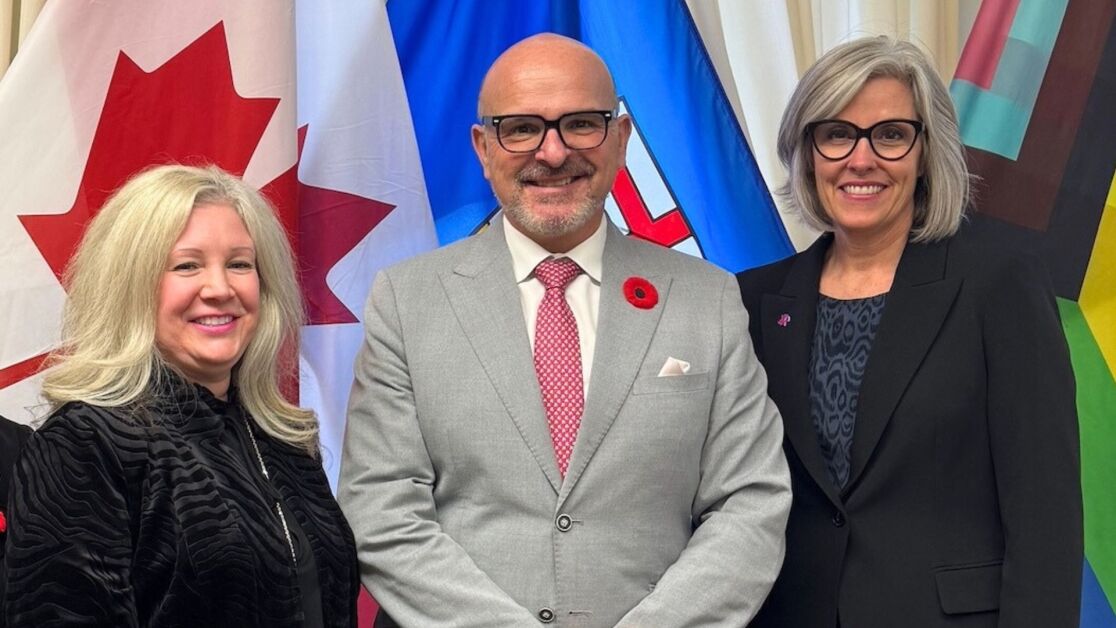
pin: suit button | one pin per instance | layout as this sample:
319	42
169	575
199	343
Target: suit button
838	519
563	523
546	615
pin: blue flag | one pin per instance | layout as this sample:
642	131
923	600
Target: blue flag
691	181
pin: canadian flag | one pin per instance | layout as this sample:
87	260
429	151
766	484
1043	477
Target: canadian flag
306	101
362	199
101	90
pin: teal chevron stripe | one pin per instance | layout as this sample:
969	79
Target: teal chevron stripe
995	120
989	121
1037	23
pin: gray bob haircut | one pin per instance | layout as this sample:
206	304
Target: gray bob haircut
943	190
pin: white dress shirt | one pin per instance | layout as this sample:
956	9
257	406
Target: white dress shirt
583	293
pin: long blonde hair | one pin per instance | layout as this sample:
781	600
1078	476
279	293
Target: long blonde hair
108	356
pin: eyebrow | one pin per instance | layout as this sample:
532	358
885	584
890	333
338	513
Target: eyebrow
187	250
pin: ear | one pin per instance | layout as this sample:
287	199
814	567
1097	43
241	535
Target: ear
480	147
623	132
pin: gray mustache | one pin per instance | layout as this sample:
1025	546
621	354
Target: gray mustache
539	172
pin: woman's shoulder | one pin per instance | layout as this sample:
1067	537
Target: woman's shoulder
766	279
81	416
987	262
85	449
770	278
1001	281
769	275
778	269
84	430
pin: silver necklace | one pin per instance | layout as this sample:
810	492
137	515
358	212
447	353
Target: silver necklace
278	506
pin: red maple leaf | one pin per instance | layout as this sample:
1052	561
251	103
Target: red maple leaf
330	223
326	226
185	111
338	222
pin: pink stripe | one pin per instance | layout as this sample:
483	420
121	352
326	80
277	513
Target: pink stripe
986	42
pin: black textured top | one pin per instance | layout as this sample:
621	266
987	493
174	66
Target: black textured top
842	341
306	564
164	521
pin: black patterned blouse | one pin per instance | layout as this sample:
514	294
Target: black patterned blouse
166	520
842	341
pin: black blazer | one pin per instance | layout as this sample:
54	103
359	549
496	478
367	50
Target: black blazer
963	505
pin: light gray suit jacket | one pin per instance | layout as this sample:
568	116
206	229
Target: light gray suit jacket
676	499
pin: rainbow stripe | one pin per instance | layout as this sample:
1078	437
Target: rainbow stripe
1035	103
1091	330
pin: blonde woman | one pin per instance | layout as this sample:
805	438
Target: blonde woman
173	485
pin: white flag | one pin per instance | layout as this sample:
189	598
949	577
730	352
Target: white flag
362	195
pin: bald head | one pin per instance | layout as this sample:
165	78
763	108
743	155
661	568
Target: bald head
536	65
552	193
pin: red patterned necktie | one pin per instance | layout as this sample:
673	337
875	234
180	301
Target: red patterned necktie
558	357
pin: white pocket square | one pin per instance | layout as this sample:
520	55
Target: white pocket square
674	366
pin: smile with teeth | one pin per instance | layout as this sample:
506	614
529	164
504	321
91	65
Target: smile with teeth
862	189
214	321
555	183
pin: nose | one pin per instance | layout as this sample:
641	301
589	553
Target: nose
553	151
862	156
216	286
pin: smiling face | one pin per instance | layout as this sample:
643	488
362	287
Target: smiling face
209	297
864	196
553	195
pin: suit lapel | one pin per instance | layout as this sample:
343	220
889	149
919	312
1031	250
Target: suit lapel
485	299
787	326
624	333
917	305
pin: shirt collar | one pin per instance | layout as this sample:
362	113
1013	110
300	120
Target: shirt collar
526	253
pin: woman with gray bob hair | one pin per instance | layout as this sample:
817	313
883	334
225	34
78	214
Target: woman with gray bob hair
942	193
922	375
172	483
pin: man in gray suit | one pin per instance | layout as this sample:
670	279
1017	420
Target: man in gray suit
598	454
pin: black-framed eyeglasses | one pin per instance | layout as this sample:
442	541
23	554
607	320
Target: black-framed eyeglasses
891	140
524	133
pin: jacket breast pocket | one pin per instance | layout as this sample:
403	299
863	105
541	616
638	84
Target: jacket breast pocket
671	383
972	588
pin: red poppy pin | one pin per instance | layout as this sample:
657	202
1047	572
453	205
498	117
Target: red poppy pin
3	522
640	293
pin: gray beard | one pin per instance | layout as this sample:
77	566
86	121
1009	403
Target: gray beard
534	224
551	226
